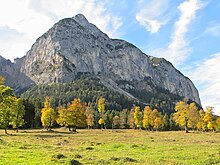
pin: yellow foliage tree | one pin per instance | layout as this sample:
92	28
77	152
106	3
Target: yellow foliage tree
194	116
131	119
158	123
218	124
2	80
101	105
186	115
74	116
156	119
101	109
137	117
147	118
201	125
101	121
48	114
209	118
62	116
89	117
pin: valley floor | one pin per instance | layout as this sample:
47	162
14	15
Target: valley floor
108	147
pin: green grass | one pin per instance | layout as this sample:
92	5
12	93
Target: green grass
108	147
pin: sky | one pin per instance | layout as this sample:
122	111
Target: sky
185	32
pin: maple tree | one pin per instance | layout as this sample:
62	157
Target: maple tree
186	115
73	116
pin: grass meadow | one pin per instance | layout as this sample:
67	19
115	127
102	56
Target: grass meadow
32	147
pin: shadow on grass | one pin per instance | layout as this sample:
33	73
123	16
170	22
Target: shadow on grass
39	133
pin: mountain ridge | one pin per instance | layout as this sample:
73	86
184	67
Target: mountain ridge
74	46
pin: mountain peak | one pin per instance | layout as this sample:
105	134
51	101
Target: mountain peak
81	19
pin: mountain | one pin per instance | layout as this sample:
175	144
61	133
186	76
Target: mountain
14	78
74	47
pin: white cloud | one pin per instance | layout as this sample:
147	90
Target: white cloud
214	30
152	15
206	77
178	49
31	18
7	42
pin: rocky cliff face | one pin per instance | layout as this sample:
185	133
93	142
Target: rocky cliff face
13	77
73	46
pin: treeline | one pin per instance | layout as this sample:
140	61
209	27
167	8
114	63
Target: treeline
81	115
18	113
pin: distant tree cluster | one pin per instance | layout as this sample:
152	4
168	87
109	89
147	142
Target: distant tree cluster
189	117
79	115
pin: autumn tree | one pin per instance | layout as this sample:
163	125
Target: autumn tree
156	119
194	116
123	115
2	80
186	115
131	119
89	117
101	121
201	125
137	117
147	118
218	124
116	121
62	116
72	117
209	118
101	110
48	114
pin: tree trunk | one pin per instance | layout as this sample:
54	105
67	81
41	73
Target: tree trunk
186	129
186	126
6	131
17	129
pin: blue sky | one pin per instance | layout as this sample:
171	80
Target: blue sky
185	32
